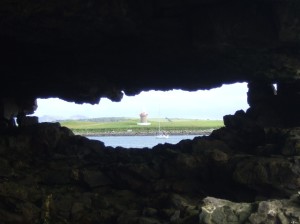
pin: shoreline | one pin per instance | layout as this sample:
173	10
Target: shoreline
148	133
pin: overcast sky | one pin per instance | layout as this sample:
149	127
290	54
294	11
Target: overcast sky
202	104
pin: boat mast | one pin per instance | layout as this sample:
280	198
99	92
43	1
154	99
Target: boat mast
159	126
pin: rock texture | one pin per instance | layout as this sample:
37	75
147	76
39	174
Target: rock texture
50	175
83	50
272	211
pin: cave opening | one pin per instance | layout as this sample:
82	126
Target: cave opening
236	169
246	171
149	118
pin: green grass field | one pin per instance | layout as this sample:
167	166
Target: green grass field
124	125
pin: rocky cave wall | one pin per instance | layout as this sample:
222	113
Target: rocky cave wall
84	50
81	51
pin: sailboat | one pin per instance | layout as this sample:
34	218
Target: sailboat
161	134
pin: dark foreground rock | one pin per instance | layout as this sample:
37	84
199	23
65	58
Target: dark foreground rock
272	211
49	175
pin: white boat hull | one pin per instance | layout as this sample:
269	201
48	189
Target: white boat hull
162	136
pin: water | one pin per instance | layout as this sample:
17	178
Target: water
139	141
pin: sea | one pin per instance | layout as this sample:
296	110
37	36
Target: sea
139	141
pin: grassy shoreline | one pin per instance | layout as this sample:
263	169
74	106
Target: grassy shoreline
141	133
130	127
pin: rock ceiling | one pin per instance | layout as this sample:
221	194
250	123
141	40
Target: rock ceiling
83	50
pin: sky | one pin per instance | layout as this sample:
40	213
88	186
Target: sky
201	104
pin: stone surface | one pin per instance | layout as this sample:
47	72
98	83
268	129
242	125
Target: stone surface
269	212
81	51
202	180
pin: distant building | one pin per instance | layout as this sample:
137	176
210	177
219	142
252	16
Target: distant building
143	119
